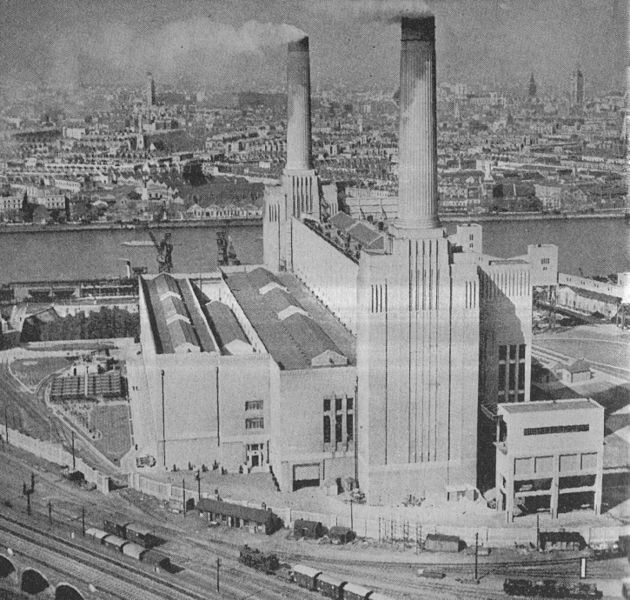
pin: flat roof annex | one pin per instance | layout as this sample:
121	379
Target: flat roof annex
549	406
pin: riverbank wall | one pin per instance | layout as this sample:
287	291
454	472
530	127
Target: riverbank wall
257	221
56	228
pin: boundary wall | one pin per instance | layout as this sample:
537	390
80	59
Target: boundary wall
395	524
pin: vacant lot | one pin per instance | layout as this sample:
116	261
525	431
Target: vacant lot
112	420
32	371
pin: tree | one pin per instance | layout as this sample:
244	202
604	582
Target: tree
27	209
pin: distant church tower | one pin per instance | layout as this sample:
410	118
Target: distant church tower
149	92
577	87
140	145
532	87
418	318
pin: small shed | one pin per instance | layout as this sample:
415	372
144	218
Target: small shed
576	372
436	542
561	540
341	535
308	529
258	520
331	586
306	577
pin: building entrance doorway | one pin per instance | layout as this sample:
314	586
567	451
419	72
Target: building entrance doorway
255	455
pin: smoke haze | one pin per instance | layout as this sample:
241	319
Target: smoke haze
383	11
241	44
191	46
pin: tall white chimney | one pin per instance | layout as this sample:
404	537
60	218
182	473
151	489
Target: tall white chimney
299	106
417	168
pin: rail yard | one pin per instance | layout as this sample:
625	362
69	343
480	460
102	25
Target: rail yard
51	540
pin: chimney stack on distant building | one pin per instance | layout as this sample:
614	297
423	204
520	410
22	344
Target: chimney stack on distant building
577	87
150	91
417	168
299	106
532	90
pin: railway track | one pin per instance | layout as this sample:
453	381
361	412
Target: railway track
23	413
240	582
236	582
499	566
95	562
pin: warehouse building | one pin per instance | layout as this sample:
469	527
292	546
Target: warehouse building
247	370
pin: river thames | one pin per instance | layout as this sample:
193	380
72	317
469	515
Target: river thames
594	246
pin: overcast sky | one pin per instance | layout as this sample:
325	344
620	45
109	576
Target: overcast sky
213	42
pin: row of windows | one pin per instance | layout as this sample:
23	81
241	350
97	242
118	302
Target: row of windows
379	298
512	378
338	404
512	396
555	429
256	423
339	428
253	405
333	420
503	352
511	382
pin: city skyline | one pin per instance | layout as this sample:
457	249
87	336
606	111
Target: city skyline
229	45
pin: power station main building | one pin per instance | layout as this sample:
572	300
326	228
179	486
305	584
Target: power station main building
434	318
353	352
418	316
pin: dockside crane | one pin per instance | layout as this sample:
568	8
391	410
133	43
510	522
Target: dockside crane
164	251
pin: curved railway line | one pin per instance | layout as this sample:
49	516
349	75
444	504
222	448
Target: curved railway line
105	563
362	570
240	582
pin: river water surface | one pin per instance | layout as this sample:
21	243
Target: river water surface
596	246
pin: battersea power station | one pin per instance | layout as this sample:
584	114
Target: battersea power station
355	351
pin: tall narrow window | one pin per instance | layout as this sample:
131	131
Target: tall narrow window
338	428
326	429
501	377
350	427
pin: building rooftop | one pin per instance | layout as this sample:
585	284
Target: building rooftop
225	326
180	322
549	405
579	366
295	336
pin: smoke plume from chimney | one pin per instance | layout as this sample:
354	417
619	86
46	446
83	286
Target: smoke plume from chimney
179	46
384	11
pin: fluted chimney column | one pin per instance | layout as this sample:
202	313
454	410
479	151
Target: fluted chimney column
299	106
417	168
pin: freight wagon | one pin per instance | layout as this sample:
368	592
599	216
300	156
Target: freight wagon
328	585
